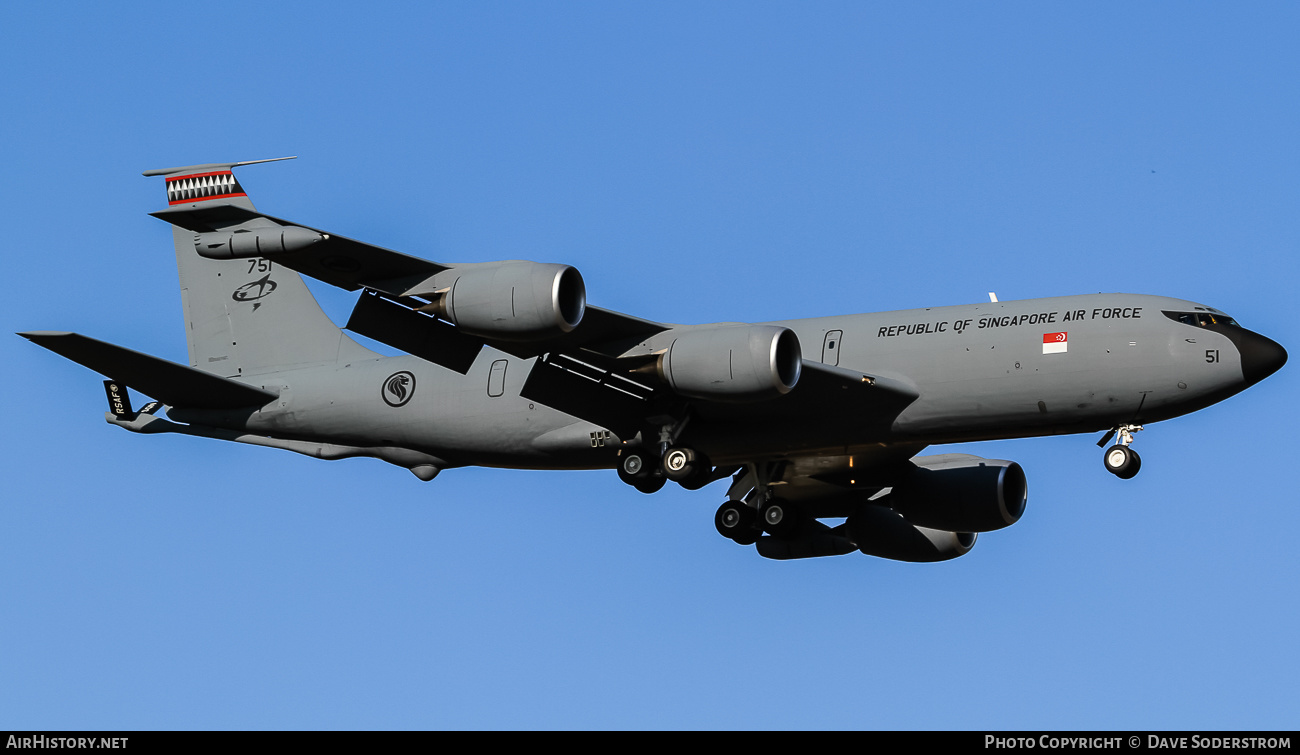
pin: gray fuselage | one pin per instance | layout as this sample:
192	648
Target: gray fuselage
982	371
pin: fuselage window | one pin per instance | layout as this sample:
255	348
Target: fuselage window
1208	319
1201	319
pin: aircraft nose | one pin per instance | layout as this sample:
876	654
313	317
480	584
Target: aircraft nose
1260	356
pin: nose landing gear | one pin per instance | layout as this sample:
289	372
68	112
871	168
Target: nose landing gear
1119	459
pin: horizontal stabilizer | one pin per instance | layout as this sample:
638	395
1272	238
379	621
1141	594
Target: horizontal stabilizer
173	384
209	167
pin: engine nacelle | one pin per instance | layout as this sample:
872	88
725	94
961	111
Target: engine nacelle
961	493
514	301
882	532
814	541
733	362
254	242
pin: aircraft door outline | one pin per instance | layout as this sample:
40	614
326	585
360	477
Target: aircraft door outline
831	347
497	378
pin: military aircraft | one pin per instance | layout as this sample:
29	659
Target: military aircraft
507	365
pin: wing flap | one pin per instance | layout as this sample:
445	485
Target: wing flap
601	336
418	335
171	383
830	406
589	392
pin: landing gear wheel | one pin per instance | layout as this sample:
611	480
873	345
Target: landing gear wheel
1137	464
701	473
704	477
650	485
635	467
737	521
679	464
780	518
1122	461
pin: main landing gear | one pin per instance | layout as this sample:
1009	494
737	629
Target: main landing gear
751	509
1119	459
738	521
639	469
687	467
648	472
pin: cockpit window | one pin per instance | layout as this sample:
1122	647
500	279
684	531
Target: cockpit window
1201	319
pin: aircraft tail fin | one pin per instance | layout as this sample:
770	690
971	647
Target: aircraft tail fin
244	316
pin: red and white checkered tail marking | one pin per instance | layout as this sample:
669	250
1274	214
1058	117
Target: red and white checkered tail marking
1056	343
200	187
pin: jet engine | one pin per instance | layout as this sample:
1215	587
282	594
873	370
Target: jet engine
961	493
511	301
733	363
879	531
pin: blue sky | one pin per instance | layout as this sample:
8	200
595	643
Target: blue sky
697	162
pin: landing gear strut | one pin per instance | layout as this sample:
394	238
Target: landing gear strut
1119	459
752	509
646	466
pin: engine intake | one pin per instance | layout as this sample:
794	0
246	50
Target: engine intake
735	363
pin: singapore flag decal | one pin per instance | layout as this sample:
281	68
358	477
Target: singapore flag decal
1055	343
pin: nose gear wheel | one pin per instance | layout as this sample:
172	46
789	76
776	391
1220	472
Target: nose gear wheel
1119	459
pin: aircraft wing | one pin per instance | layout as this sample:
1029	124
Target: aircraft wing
603	333
336	260
827	392
835	404
391	319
